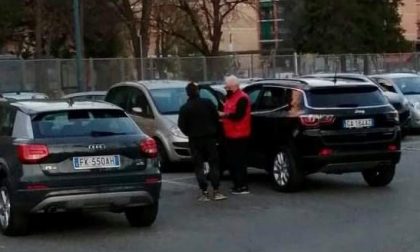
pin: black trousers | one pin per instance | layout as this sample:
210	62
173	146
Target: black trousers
236	151
205	149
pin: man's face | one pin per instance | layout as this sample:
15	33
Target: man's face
231	86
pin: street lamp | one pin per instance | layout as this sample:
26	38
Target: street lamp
78	40
141	53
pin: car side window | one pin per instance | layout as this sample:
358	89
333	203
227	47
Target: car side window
7	119
119	97
138	99
207	94
272	98
253	97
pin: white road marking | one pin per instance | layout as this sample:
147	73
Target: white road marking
180	178
179	183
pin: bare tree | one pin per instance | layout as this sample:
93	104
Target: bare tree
135	15
204	19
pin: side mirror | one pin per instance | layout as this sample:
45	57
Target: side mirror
137	110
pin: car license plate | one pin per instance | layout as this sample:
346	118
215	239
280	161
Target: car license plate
358	123
96	162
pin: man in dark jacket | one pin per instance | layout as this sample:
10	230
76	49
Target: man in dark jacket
199	120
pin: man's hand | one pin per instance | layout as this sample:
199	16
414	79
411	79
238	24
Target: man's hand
221	114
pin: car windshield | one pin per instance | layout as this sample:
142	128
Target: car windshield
346	97
82	123
169	100
408	85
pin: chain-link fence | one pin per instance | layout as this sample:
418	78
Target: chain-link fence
58	76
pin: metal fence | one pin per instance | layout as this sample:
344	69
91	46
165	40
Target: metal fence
57	76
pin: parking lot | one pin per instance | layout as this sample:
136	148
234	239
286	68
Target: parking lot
332	213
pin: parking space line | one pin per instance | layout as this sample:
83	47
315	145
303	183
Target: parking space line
179	183
181	178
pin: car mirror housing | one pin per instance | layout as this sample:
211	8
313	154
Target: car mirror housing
137	110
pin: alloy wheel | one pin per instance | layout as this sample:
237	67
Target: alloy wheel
281	169
4	208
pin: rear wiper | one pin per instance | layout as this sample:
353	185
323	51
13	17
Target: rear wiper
348	105
105	133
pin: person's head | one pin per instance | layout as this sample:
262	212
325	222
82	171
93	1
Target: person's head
192	90
231	83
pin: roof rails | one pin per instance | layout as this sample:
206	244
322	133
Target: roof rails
283	79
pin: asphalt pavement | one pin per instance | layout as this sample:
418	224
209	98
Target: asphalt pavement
332	213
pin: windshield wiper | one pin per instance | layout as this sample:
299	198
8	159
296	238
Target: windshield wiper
105	133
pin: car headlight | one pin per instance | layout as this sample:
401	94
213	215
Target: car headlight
175	131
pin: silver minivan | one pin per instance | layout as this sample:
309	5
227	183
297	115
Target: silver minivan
154	105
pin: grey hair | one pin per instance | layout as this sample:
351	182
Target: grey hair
232	78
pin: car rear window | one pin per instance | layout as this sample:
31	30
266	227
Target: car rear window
81	123
346	97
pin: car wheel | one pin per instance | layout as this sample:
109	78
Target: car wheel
12	222
285	173
164	163
379	177
143	216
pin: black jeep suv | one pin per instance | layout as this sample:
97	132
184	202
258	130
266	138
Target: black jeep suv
62	156
304	126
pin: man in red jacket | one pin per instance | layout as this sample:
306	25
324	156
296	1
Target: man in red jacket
236	118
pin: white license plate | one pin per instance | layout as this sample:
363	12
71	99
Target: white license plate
358	123
96	162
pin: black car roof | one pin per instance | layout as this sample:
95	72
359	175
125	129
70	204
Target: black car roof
310	83
41	106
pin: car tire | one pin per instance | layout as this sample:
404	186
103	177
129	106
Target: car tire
163	160
143	216
12	221
286	174
379	177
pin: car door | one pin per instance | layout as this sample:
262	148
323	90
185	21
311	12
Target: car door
268	119
254	158
209	93
140	110
7	119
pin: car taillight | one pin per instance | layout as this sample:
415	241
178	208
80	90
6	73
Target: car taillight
148	146
392	148
32	153
314	120
325	152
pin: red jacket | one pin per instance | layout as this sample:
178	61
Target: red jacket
235	129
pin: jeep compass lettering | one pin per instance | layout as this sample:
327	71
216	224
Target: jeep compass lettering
305	126
61	156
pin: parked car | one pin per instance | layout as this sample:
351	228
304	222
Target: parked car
405	84
63	156
17	96
86	96
304	126
398	101
154	106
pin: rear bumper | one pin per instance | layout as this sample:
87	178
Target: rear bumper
350	162
114	198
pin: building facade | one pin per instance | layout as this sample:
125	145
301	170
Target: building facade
274	31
